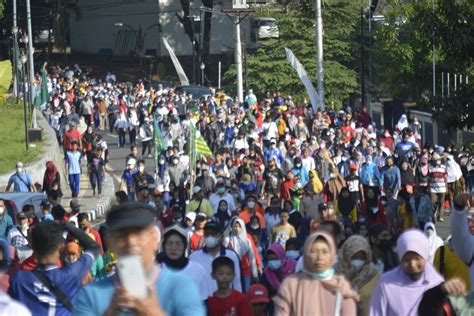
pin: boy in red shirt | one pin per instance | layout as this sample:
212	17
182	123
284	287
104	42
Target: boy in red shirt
226	301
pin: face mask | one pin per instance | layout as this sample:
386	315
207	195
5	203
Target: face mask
141	169
323	275
273	145
211	241
175	162
298	165
292	254
429	232
438	162
19	170
383	203
332	175
255	226
357	264
274	264
161	162
24	226
222	208
322	146
2	210
221	190
251	204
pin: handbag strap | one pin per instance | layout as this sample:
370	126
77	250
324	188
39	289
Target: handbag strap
59	295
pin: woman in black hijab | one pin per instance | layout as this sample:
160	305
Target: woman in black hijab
174	257
346	205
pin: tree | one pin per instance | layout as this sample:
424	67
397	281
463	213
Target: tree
268	69
403	53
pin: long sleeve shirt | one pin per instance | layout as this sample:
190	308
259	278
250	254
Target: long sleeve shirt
391	178
462	240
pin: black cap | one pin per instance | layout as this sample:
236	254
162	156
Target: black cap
213	225
322	207
45	204
130	215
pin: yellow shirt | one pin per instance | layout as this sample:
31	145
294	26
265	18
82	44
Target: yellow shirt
281	234
453	266
365	293
205	207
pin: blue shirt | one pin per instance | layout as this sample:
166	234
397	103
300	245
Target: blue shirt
26	288
177	294
20	182
73	161
391	178
5	222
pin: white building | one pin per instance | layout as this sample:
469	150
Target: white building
114	26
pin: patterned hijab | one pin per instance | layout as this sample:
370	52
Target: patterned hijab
351	246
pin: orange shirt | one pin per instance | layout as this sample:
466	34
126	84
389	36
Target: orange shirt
245	216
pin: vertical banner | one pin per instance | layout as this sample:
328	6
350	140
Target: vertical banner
177	65
313	95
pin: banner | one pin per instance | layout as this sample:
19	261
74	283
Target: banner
157	138
43	96
179	69
198	145
313	95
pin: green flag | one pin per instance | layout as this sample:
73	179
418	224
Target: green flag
43	95
199	145
158	138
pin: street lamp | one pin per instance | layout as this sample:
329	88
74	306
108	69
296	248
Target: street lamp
23	59
15	61
202	73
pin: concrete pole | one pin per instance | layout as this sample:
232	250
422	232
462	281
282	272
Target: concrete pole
31	67
15	53
238	60
434	50
219	76
319	52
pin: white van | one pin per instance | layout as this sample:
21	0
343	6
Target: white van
265	28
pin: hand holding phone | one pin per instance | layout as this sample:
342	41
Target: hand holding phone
132	275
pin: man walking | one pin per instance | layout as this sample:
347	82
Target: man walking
20	180
73	168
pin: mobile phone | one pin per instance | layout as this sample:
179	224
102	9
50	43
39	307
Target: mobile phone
132	275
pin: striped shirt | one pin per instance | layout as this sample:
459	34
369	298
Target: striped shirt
438	179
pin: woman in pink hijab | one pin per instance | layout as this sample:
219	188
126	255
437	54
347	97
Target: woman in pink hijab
400	290
316	290
278	268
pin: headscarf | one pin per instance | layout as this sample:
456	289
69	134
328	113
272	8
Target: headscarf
358	278
434	240
336	283
345	205
316	183
240	243
402	123
396	291
51	172
337	184
177	264
275	277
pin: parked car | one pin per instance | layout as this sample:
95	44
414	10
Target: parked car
14	202
265	28
42	37
197	92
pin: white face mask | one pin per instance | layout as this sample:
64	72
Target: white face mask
2	210
211	241
19	170
251	204
357	264
141	169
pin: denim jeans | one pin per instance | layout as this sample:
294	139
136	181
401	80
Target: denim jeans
74	183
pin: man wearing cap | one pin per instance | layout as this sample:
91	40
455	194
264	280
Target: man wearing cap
17	235
199	204
273	151
20	180
131	230
213	238
221	194
72	135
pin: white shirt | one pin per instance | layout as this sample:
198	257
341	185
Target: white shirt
272	130
198	274
308	163
10	307
215	198
205	259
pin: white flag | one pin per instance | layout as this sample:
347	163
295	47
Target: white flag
313	95
179	69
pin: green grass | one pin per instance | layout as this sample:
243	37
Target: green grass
12	137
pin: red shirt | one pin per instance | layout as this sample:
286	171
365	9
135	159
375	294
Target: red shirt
234	304
196	241
71	135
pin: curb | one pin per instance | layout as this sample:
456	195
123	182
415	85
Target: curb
104	202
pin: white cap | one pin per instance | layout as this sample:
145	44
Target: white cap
131	161
191	216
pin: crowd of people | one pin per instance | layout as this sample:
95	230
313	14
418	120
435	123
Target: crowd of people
296	212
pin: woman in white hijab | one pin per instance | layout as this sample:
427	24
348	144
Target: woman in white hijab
434	240
237	239
402	123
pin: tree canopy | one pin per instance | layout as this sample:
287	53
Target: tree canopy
268	69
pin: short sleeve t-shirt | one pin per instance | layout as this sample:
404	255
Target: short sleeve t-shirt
234	304
273	180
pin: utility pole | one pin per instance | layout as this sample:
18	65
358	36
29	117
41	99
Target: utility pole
319	53
434	49
362	59
31	70
15	52
238	59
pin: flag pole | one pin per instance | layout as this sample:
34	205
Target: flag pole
192	158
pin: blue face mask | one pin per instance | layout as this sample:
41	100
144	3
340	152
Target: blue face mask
323	275
274	264
293	254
